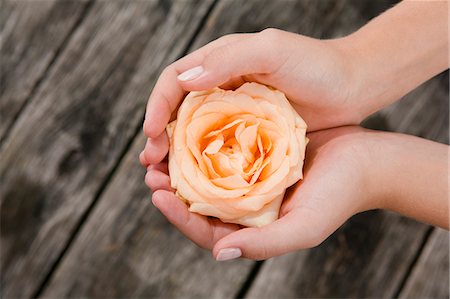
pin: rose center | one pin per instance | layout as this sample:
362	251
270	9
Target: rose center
235	149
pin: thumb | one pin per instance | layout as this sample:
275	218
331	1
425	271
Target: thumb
299	229
250	55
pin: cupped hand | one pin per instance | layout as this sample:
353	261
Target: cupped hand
316	75
336	185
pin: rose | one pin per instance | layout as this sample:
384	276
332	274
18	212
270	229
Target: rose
233	153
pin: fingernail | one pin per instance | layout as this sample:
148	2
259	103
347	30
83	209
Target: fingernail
191	73
226	254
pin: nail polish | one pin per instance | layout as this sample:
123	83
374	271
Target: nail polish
226	254
191	74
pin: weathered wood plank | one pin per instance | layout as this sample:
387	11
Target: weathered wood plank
127	249
430	276
367	257
373	250
78	125
319	19
146	254
31	36
424	112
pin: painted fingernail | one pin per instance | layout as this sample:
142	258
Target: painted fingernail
226	254
191	74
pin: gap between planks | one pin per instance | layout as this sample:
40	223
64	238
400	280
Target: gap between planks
111	174
46	72
414	261
242	292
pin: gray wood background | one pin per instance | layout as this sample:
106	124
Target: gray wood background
76	219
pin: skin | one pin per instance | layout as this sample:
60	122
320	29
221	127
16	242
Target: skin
331	83
320	203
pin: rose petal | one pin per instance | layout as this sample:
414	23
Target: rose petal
210	167
259	91
231	182
247	141
215	145
222	164
196	130
257	174
296	172
202	183
244	102
277	156
276	180
226	127
209	209
215	105
212	148
265	215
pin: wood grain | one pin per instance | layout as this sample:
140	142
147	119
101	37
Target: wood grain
319	19
366	240
61	157
32	34
127	249
423	112
430	276
73	133
367	257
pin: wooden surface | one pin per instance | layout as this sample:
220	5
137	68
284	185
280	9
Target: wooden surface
33	34
431	271
71	136
76	220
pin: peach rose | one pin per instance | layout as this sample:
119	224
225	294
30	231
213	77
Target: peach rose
233	153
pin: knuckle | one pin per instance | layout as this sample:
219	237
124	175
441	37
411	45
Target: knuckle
270	40
147	129
270	34
228	37
219	54
263	254
167	70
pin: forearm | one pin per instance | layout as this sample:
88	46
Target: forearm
411	176
397	51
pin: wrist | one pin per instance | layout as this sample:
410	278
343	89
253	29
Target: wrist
396	52
377	182
409	176
384	168
355	72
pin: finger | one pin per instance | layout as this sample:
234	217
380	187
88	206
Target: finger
143	160
156	148
168	93
250	55
147	165
157	180
201	230
233	83
162	166
296	230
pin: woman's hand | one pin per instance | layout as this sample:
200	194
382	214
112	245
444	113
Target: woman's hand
348	170
337	184
314	74
329	82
